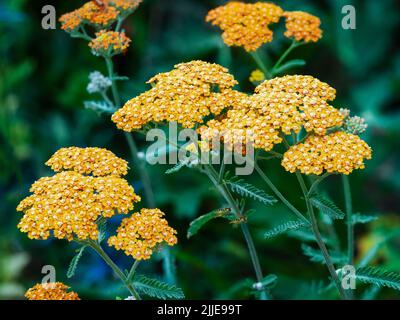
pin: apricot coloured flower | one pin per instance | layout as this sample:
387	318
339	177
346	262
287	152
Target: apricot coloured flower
69	204
338	152
302	26
139	234
187	94
245	24
109	43
51	291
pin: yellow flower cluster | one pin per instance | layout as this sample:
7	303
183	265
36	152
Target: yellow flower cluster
240	127
302	26
91	13
125	5
109	43
281	100
69	203
244	24
139	234
257	76
337	152
71	21
95	161
51	291
186	95
279	105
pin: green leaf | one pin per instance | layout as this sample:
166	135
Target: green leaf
283	228
362	218
307	235
175	168
74	262
289	65
379	277
315	255
269	281
198	223
157	289
99	106
327	207
247	190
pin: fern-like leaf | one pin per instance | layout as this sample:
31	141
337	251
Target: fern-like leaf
379	277
156	289
315	255
248	190
74	262
327	207
175	168
198	223
362	218
283	228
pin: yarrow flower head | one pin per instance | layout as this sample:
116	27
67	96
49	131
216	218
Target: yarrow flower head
109	43
280	105
69	204
186	95
245	24
51	291
337	152
125	6
91	13
302	26
139	234
98	82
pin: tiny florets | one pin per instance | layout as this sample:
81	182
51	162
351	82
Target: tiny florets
109	43
338	152
95	161
186	95
139	234
51	291
69	204
98	82
245	24
302	26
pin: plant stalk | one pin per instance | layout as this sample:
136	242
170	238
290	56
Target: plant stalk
222	188
96	247
318	237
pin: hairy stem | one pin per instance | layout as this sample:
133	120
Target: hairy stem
292	46
318	237
97	247
280	195
224	191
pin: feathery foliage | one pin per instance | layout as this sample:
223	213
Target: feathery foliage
157	289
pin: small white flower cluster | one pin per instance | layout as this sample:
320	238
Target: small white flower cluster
98	82
353	125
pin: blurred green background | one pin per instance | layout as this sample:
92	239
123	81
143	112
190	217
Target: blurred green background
43	78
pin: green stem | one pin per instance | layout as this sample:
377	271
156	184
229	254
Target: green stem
350	225
317	182
318	237
96	247
350	228
292	46
280	195
224	191
260	64
131	273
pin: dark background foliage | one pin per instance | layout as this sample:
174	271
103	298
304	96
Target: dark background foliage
43	76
